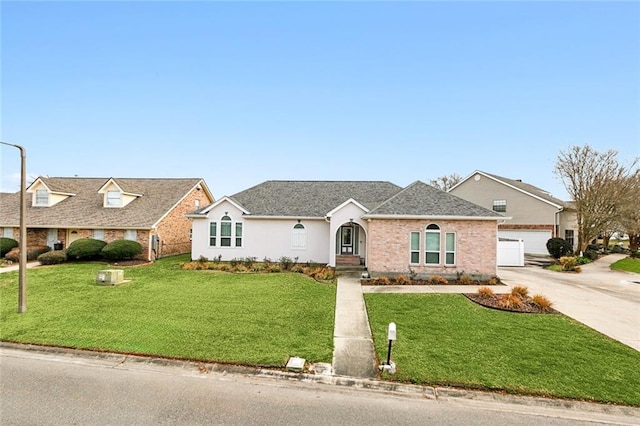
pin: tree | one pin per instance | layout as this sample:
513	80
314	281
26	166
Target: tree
630	213
445	183
598	184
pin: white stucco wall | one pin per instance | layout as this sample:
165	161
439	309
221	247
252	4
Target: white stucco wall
341	217
262	238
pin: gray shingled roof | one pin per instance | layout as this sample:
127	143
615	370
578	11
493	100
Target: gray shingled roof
311	198
534	190
85	209
420	199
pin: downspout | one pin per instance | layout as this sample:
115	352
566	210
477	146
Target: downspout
556	222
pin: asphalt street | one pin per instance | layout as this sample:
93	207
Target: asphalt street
40	388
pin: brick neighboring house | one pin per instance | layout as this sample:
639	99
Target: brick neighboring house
380	225
151	211
536	216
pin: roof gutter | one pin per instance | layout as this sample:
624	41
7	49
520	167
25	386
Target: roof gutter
434	217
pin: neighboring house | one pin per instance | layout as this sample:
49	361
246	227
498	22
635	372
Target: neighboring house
536	216
150	211
376	224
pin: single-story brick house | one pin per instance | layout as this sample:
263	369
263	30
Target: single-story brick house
150	211
377	224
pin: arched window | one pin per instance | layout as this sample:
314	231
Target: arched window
298	237
226	228
225	231
432	244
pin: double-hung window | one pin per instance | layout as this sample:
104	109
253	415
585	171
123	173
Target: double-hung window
213	226
450	248
114	199
238	234
131	234
42	197
500	206
415	248
432	245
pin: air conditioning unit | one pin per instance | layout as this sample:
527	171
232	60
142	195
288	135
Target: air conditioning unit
110	277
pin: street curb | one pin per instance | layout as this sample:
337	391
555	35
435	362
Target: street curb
387	387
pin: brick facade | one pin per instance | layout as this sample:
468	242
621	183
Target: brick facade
174	229
389	247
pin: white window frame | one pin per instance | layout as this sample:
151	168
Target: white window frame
235	233
237	237
431	230
213	233
500	206
42	197
112	200
98	234
7	233
450	250
131	234
298	237
414	250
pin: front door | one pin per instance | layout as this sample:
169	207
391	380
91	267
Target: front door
346	240
73	235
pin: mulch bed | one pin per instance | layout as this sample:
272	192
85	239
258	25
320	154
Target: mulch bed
492	303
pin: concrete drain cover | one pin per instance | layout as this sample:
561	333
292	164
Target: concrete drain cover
295	363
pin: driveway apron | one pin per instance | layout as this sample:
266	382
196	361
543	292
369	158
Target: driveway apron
605	300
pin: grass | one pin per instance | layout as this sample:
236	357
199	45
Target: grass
255	319
627	264
447	340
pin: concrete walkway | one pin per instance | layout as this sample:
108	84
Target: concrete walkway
353	352
16	267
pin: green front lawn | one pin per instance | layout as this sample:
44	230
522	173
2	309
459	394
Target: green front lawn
627	264
257	319
449	340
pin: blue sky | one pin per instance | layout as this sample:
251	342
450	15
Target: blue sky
242	92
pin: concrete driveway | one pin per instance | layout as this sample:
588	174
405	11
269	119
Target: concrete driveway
605	300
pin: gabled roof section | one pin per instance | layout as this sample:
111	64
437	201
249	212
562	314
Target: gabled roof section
518	185
52	188
206	209
85	210
311	198
421	200
112	181
346	203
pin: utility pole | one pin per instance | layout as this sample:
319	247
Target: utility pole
22	272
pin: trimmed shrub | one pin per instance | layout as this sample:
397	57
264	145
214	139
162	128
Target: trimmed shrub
559	247
32	253
6	245
85	249
121	250
53	257
591	254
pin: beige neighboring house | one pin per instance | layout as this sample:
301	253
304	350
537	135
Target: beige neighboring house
536	216
153	212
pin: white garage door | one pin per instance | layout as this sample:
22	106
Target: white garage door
535	242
